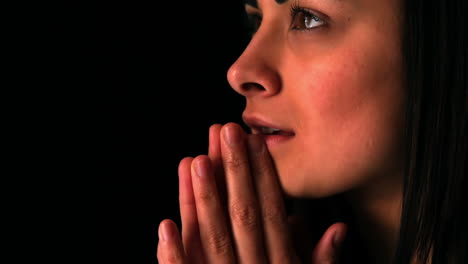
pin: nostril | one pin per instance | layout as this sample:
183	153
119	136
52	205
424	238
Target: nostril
252	76
252	87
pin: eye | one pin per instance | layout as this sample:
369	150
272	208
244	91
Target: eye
303	19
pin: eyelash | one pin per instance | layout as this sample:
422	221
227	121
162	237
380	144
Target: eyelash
296	10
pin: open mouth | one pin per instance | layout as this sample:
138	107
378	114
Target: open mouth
268	131
274	136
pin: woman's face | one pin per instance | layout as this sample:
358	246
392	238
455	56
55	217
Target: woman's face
328	74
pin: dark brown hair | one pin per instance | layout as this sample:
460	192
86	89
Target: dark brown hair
434	217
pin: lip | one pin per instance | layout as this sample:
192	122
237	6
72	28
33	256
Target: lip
256	123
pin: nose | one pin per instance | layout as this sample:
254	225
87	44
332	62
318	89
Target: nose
255	72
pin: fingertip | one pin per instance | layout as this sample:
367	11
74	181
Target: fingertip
329	247
213	141
232	125
184	168
170	248
339	234
185	181
165	230
183	163
215	128
201	166
200	158
214	131
232	135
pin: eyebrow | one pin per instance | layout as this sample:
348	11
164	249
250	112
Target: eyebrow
254	2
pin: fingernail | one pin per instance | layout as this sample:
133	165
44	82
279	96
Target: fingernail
201	166
255	145
164	231
232	136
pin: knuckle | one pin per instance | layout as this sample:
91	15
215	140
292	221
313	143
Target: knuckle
206	197
233	162
244	215
274	213
218	243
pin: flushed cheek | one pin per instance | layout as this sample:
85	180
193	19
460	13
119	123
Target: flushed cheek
338	87
351	116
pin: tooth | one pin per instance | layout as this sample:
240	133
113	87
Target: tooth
266	130
269	130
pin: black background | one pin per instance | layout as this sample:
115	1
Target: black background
160	69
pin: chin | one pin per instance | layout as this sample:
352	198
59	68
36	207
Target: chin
295	186
298	185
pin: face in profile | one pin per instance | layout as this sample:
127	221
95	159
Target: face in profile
323	84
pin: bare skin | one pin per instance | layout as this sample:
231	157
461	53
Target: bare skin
247	223
335	83
322	83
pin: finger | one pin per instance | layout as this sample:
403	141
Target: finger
159	252
242	200
188	213
212	222
329	247
279	244
214	152
214	149
170	249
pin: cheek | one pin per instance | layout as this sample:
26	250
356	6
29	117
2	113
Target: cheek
333	90
352	113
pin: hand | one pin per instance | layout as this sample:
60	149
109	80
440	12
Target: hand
232	208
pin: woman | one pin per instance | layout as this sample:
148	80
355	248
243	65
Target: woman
357	106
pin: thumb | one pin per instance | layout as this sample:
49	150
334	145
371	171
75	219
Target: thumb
328	249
